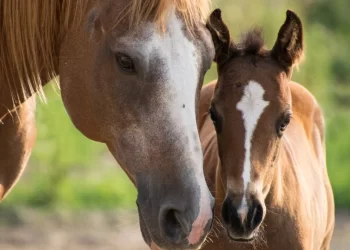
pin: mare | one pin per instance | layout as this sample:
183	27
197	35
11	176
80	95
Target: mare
130	75
264	150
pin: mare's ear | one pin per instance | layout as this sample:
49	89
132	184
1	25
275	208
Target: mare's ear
222	40
289	47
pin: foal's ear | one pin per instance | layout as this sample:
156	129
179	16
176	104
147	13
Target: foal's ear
220	33
289	47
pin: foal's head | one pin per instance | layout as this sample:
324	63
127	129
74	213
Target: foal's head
130	78
251	109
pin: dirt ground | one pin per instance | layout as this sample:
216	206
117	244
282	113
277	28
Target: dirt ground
99	231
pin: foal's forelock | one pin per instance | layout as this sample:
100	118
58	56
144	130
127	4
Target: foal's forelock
251	106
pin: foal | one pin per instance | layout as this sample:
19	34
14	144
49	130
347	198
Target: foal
266	162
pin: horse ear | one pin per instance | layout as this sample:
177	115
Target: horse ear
289	47
220	33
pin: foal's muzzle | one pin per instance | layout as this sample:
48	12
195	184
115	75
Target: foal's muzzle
242	222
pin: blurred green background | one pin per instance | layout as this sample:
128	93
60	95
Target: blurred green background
68	171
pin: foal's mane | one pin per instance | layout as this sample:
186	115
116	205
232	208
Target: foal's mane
252	42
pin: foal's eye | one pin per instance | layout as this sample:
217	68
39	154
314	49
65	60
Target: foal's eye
213	115
125	63
216	119
284	123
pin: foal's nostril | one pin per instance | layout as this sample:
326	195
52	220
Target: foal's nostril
256	215
242	221
226	211
174	225
230	216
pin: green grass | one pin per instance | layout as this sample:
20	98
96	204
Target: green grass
67	170
110	190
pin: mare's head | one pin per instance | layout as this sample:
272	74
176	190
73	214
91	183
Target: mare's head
251	109
130	78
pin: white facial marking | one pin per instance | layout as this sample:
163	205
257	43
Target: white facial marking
179	64
252	106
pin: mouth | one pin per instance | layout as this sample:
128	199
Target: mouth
243	240
248	239
155	247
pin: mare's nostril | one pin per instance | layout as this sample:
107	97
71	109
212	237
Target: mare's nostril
174	225
179	219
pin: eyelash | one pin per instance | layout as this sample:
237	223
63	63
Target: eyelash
216	119
283	124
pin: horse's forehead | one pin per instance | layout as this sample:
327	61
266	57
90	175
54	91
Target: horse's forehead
171	50
150	34
252	105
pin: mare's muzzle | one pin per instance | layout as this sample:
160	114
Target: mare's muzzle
169	214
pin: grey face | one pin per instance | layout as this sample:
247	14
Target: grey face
140	93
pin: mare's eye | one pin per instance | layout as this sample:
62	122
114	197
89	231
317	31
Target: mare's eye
125	63
283	123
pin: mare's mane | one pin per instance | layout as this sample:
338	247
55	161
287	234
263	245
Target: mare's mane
30	34
192	11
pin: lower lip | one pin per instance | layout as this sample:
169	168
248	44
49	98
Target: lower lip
241	239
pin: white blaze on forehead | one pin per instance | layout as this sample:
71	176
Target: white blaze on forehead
175	60
179	64
252	106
